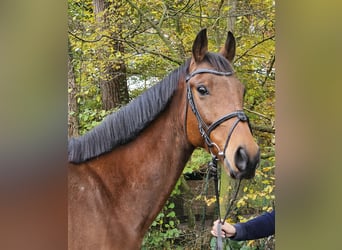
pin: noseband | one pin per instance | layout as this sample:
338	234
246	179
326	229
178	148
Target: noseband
204	129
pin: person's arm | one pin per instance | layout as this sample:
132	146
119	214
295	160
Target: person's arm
259	227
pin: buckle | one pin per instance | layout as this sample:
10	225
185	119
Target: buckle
242	116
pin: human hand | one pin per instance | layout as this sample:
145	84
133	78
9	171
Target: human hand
227	230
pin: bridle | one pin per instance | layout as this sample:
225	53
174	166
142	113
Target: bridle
205	131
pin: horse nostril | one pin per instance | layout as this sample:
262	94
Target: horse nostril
241	159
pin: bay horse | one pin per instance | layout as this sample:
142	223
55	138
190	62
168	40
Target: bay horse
121	173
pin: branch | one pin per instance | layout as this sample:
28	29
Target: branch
163	16
269	70
158	30
267	129
85	40
267	155
183	8
152	52
162	55
258	43
129	44
257	113
263	128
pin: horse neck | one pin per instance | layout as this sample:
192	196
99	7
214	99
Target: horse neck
142	173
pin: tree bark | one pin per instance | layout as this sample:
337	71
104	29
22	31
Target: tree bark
113	81
72	100
232	15
225	183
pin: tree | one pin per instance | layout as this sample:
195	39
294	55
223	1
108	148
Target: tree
113	82
72	100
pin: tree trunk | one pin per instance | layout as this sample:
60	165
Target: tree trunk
113	82
72	100
232	15
225	184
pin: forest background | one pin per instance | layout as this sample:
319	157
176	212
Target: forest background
119	48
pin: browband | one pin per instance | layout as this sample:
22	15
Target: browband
211	71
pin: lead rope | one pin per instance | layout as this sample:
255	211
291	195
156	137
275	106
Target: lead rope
205	131
214	171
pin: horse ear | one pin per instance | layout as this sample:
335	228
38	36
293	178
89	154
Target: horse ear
228	50
200	46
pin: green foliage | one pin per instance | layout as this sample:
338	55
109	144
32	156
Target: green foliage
163	230
90	118
198	158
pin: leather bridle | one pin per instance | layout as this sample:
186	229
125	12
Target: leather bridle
205	131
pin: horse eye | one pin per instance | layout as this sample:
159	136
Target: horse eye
202	90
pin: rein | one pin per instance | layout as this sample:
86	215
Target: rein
205	131
213	169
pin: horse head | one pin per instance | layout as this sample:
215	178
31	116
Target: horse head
215	119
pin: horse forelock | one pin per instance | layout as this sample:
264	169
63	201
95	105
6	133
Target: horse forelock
218	62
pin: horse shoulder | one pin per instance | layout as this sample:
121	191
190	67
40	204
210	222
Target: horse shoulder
90	210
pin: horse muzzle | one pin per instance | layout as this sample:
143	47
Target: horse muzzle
245	163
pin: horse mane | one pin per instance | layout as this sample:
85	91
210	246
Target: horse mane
126	124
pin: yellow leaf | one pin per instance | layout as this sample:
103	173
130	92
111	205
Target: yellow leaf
210	201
